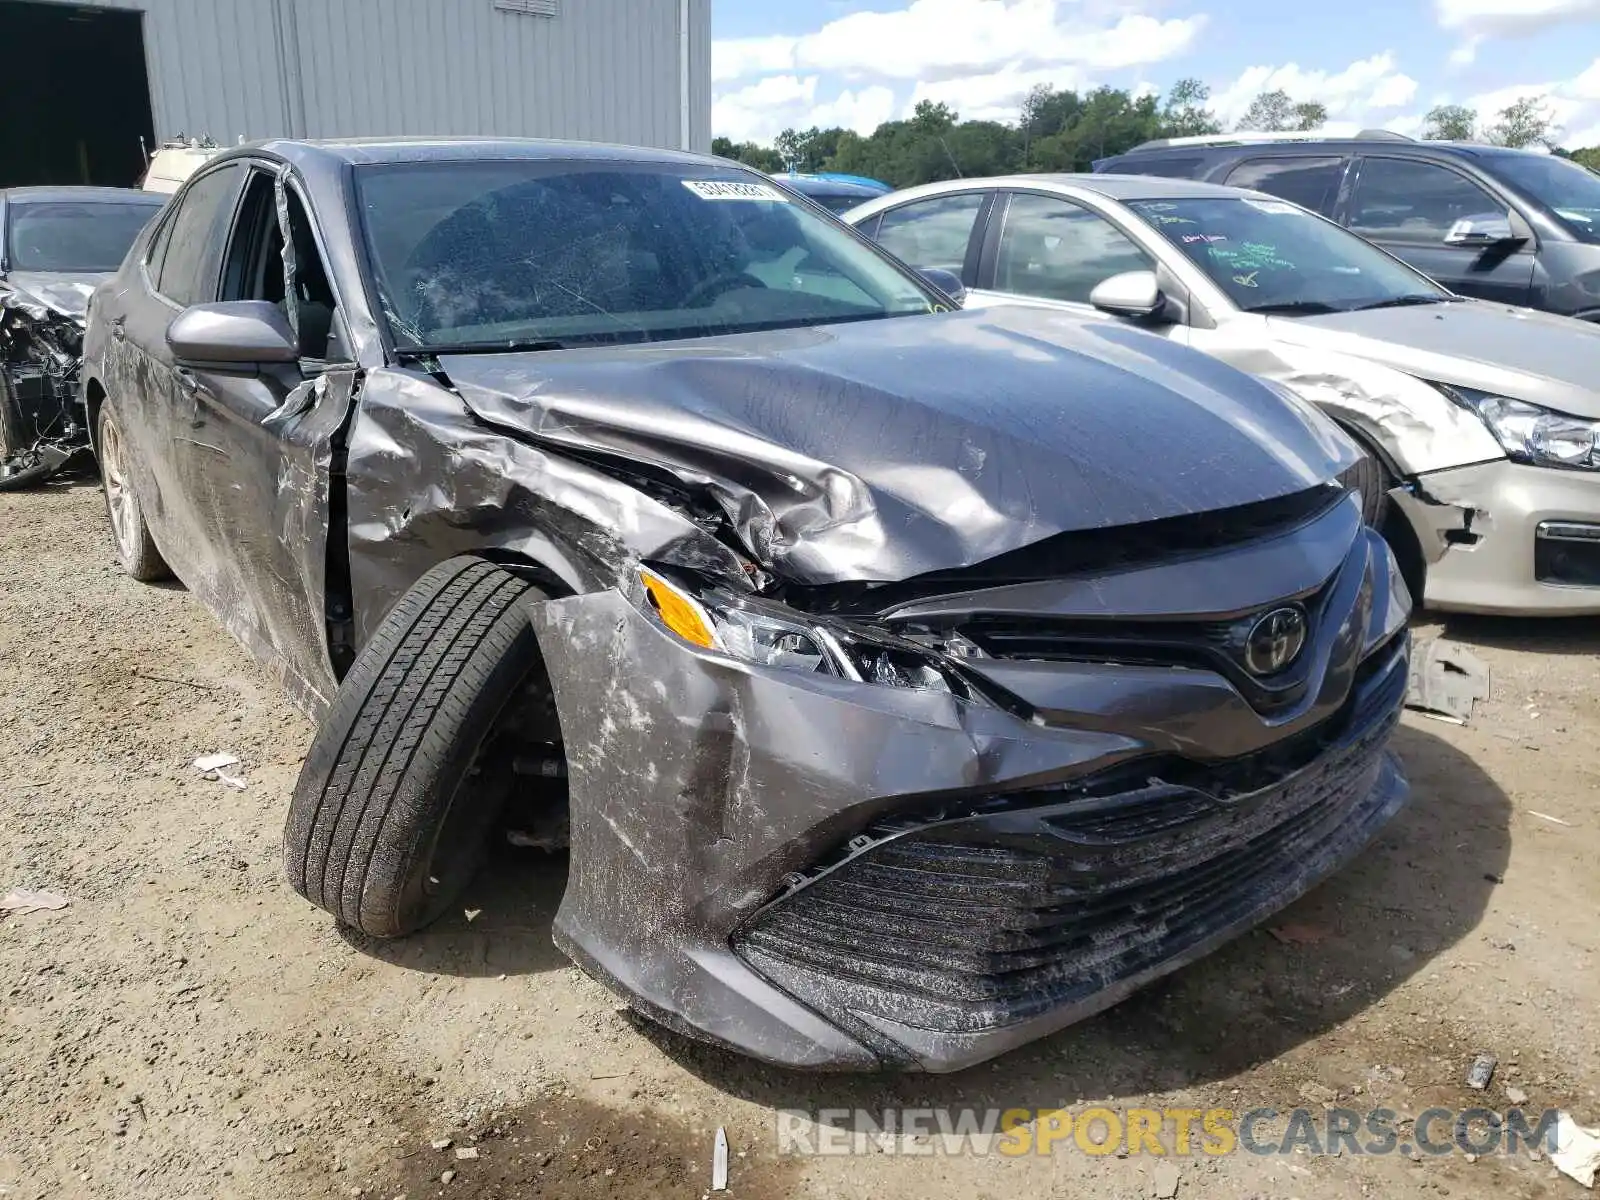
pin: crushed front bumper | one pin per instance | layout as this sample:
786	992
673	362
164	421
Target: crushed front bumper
835	875
1536	541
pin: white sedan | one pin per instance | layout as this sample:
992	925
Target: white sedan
1481	421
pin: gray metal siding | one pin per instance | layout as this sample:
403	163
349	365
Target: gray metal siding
605	70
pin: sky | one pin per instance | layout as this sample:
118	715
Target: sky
1374	63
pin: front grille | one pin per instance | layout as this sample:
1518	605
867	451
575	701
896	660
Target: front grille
981	922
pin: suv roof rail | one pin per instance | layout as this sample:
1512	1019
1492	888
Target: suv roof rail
1246	138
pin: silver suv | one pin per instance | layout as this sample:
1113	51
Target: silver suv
1481	420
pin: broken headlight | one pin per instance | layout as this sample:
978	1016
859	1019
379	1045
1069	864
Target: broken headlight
1535	435
770	635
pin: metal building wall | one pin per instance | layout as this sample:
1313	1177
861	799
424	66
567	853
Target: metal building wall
605	70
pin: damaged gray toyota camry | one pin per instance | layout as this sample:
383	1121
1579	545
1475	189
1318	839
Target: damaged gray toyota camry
906	683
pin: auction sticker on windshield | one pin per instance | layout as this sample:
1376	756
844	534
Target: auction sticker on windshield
1276	207
721	189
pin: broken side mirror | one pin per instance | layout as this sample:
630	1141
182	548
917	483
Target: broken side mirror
237	333
947	282
1485	229
1130	294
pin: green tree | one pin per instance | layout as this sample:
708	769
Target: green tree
1589	157
1450	123
762	158
1184	114
1524	122
1275	111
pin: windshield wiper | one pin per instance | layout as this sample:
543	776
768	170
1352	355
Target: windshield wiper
1404	301
1294	307
507	347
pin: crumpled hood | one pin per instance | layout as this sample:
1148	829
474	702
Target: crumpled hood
60	292
1516	352
881	450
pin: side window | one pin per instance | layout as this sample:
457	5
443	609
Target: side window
1401	201
1309	182
194	235
1057	250
254	268
932	232
157	250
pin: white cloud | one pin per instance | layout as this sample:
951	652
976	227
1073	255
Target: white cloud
765	108
1500	17
933	40
1369	85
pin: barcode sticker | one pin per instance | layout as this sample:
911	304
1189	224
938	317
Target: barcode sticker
724	189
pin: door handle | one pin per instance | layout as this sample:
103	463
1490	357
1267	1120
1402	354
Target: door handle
187	383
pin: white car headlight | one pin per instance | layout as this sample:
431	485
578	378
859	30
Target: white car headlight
770	635
1536	435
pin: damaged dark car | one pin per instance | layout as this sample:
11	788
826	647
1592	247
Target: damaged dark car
56	244
904	683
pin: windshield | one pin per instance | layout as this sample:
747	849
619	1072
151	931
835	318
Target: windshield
1570	191
1270	256
493	254
51	235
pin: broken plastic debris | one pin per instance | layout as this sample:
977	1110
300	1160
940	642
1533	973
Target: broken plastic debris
1577	1152
1446	680
1548	817
473	913
211	766
23	901
719	1162
1481	1071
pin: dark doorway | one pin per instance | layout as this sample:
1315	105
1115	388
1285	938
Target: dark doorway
75	93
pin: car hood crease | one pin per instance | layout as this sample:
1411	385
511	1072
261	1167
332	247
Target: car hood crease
882	450
64	293
1518	352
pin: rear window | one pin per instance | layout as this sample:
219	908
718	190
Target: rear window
69	236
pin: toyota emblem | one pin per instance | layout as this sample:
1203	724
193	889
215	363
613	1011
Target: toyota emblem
1275	641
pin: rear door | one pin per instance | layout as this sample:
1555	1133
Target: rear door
153	397
1409	206
1310	180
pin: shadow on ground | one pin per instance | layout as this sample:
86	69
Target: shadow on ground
514	900
1421	887
1532	635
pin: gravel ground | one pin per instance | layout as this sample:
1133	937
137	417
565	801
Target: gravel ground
189	1027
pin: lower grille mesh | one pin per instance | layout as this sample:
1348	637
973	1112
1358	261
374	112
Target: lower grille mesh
986	921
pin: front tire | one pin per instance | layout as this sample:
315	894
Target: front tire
130	535
406	776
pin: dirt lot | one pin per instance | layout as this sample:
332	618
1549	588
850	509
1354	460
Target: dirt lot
189	1027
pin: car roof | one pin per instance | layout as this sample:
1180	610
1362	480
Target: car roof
815	185
370	151
1304	145
1113	187
80	195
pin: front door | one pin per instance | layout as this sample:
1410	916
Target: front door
264	439
1409	207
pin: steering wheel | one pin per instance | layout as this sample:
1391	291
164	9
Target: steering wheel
707	290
